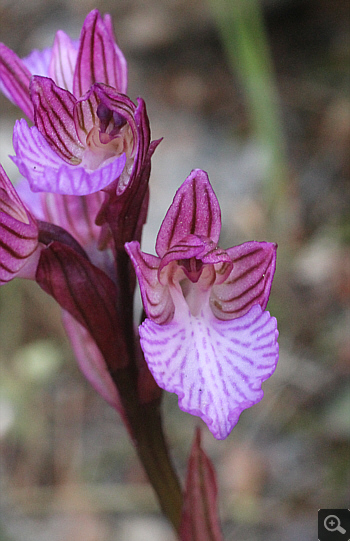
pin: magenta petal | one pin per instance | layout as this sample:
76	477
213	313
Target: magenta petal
63	60
46	171
90	361
121	64
215	367
156	298
15	79
97	61
74	214
38	61
195	210
53	113
85	114
248	283
18	233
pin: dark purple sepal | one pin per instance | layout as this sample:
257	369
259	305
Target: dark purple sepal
88	294
195	210
98	60
15	78
126	205
200	520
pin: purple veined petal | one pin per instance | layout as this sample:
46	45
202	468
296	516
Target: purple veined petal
156	298
53	113
91	361
84	114
18	234
122	68
248	283
63	60
18	244
195	210
75	214
46	171
15	79
97	61
38	61
215	367
10	202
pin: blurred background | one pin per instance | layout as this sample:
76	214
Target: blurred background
257	94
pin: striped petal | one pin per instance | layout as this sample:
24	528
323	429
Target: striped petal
121	64
18	233
53	113
46	171
74	214
156	298
194	211
63	60
15	79
84	114
248	283
215	367
97	61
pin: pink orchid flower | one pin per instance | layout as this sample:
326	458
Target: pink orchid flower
207	336
72	65
87	132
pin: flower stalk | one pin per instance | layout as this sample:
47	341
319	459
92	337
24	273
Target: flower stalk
144	418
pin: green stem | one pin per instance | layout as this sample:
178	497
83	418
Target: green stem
241	25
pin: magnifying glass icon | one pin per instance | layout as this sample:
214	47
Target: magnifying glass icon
332	524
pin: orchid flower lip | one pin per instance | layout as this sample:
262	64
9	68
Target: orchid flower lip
46	171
